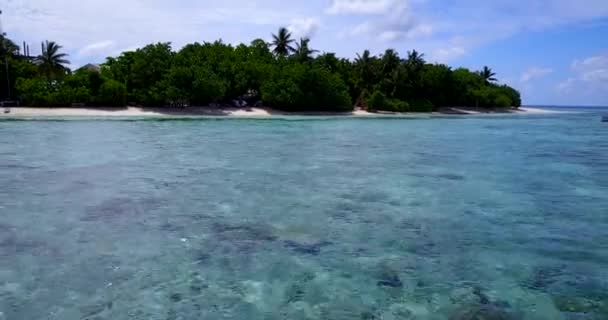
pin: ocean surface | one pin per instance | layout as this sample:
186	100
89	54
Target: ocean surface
459	218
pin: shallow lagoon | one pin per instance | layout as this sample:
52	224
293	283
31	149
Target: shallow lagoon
327	218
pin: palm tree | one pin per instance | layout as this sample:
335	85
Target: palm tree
282	42
303	51
415	60
390	61
366	68
390	71
413	65
51	61
7	47
328	61
487	74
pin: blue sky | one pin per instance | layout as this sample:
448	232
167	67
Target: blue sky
553	51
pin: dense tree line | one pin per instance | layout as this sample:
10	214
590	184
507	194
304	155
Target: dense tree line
283	74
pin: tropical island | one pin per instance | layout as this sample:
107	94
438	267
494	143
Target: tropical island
283	74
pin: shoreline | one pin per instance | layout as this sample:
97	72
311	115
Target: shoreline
27	112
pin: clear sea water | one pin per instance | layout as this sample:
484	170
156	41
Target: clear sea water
460	218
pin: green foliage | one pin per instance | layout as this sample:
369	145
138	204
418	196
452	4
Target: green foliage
376	101
92	80
195	75
493	96
66	95
379	102
465	86
502	101
422	105
283	75
398	105
112	93
119	68
148	68
17	67
436	85
366	71
207	86
7	47
303	52
512	94
33	91
298	87
37	92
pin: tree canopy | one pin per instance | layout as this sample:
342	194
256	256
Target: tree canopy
283	74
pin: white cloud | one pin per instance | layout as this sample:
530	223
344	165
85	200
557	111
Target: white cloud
418	31
361	29
95	48
593	69
535	73
590	80
601	60
600	75
360	6
73	23
389	21
566	85
389	35
445	55
512	16
428	24
304	28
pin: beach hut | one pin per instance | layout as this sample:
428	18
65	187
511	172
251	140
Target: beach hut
91	67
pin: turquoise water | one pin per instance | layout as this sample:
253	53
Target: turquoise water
450	218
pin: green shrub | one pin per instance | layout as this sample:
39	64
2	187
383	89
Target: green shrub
38	92
376	101
422	105
64	96
303	87
78	95
112	93
513	95
59	98
282	94
502	101
398	105
379	102
33	91
207	86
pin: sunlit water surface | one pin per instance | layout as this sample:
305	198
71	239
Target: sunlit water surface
492	217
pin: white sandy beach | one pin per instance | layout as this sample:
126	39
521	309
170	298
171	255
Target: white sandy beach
130	112
85	112
203	111
521	110
160	112
538	110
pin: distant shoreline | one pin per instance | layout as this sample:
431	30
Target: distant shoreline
236	112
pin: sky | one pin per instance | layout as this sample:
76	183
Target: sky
554	51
